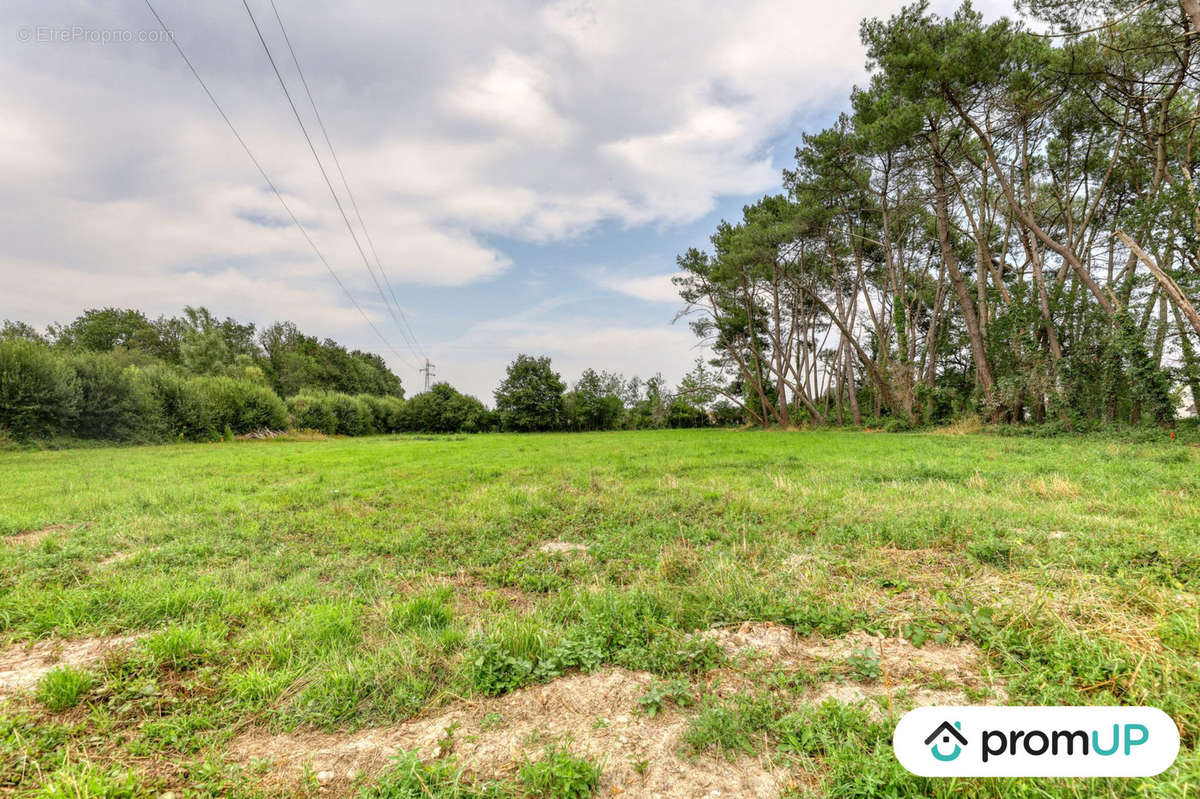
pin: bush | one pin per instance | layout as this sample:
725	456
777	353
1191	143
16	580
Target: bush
183	407
353	416
114	403
442	409
39	393
241	405
387	413
683	414
331	412
312	412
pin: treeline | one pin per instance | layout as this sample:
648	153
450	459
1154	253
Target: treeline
115	375
197	343
1005	224
533	397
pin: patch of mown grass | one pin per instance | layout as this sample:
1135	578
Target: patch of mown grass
358	582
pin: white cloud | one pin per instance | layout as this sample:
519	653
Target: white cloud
512	96
533	121
652	288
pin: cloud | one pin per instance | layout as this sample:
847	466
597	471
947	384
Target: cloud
516	120
511	96
651	288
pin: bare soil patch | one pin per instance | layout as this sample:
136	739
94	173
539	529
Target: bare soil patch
597	715
23	665
471	593
562	547
594	713
934	674
32	537
117	557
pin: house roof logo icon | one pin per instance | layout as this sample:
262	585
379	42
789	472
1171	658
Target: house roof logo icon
945	731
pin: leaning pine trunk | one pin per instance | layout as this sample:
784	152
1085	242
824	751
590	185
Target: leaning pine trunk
970	318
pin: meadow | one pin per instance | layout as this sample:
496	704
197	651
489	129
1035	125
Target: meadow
652	613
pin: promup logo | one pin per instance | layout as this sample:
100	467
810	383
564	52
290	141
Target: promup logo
946	731
1036	741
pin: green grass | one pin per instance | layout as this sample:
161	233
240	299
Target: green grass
64	687
558	774
356	582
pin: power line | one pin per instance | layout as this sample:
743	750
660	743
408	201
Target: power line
345	183
324	174
191	67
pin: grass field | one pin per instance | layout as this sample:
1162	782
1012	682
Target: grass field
669	613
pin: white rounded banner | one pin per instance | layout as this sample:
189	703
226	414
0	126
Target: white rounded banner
1036	741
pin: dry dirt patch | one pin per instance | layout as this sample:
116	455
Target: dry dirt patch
562	547
597	715
32	537
934	674
120	556
594	712
23	665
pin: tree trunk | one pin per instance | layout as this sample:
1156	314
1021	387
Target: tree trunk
1191	366
854	409
884	389
1192	9
1169	285
983	370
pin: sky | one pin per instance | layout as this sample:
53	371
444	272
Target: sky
527	171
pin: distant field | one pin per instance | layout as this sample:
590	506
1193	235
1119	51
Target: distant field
669	613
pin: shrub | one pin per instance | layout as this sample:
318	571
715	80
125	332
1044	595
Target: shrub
681	413
115	403
39	393
387	413
331	412
312	412
353	416
442	409
241	405
183	407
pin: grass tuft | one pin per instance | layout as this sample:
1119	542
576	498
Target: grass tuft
558	774
64	687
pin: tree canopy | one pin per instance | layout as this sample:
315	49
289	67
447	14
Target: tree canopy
530	398
1004	223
